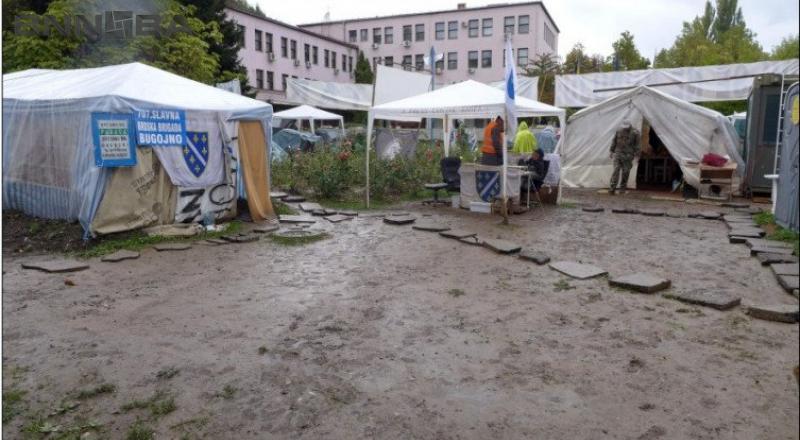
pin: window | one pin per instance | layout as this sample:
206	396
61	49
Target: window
376	36
452	30
452	60
344	62
293	49
407	33
364	34
350	64
315	55
770	130
259	79
284	77
327	58
439	27
549	37
388	61
523	24
440	64
269	42
508	25
419	61
419	32
353	36
473	59
504	56
473	28
258	40
406	61
487	27
486	58
388	35
284	47
307	53
242	33
270	81
333	59
522	56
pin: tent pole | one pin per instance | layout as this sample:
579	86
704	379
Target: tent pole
504	151
445	133
369	141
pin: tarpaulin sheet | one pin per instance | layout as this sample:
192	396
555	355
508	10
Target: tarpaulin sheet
253	160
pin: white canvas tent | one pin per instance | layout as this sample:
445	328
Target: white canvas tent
49	166
465	100
687	130
310	114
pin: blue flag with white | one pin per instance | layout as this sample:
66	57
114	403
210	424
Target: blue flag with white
511	90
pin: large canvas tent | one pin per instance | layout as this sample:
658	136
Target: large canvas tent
49	161
308	113
687	130
465	100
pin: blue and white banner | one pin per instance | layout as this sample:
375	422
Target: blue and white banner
487	184
161	127
113	140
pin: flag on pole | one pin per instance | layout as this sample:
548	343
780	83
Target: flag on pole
511	90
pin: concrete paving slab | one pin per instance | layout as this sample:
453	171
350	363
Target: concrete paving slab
537	257
750	210
762	242
429	226
337	218
653	212
348	213
754	251
166	247
625	210
296	219
709	215
501	246
675	214
278	194
399	219
57	266
735	205
640	282
735	239
240	238
120	255
789	282
785	269
293	199
457	234
217	241
472	240
715	300
593	208
778	313
577	270
318	213
310	206
747	232
266	228
767	259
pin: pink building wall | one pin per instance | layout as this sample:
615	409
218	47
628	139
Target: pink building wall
256	60
535	40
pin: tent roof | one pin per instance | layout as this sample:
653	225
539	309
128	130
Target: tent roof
467	99
306	112
134	81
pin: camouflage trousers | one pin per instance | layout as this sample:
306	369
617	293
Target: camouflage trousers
622	166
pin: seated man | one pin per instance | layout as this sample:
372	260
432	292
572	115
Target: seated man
537	166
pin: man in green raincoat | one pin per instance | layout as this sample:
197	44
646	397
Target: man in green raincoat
525	141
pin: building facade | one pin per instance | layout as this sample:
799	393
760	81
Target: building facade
275	51
470	39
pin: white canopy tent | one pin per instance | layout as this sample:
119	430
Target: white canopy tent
310	114
687	130
465	100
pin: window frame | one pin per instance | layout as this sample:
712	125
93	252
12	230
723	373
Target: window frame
284	47
419	61
419	32
487	30
477	28
333	59
439	30
293	49
388	61
452	60
527	24
377	35
484	64
259	79
315	55
327	57
268	42
408	31
352	36
452	30
259	43
388	35
270	80
506	26
307	52
364	35
527	56
476	59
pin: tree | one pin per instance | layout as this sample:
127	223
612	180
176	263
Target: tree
787	49
626	55
545	66
719	36
363	71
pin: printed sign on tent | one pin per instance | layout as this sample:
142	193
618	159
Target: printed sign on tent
161	127
113	140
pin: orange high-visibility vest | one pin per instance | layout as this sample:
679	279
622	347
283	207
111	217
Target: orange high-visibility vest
488	147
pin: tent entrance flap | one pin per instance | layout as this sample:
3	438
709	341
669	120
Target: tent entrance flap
253	158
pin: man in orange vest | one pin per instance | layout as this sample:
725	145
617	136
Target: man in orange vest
492	150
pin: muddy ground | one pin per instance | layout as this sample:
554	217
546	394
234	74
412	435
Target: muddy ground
389	333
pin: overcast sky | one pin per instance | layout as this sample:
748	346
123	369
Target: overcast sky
595	23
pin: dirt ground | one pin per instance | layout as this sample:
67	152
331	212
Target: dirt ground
385	332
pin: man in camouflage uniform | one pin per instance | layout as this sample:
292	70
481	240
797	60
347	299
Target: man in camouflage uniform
624	147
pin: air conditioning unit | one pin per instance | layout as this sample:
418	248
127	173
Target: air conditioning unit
464	24
271	56
308	64
335	71
471	70
375	45
439	70
296	62
406	43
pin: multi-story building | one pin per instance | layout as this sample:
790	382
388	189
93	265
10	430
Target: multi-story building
275	51
471	39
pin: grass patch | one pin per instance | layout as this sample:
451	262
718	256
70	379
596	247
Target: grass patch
136	240
12	404
567	205
262	350
105	388
456	293
159	404
167	373
228	393
777	232
140	431
562	286
282	208
299	240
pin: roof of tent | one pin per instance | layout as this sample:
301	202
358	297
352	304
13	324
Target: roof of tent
687	130
134	81
307	112
467	99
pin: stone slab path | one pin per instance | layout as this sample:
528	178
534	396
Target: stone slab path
167	247
58	266
501	246
577	270
640	282
715	300
537	257
120	256
777	313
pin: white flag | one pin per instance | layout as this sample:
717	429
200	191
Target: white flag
511	91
